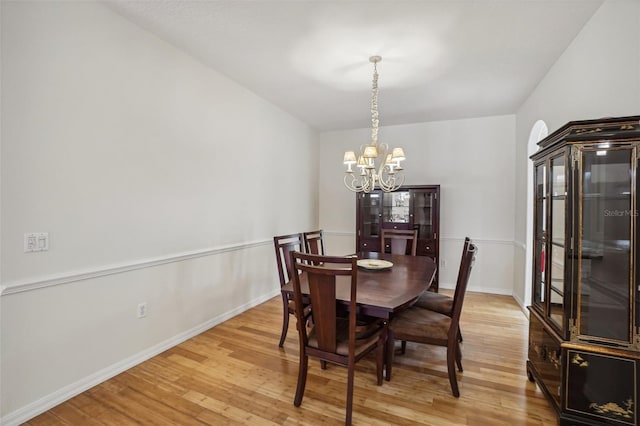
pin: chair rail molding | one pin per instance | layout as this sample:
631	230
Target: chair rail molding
18	286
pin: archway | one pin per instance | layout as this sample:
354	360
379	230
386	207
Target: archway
538	132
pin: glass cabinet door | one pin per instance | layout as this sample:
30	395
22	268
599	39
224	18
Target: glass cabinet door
606	222
557	242
396	207
540	236
423	213
371	212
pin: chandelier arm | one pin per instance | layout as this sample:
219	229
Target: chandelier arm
369	181
391	182
352	186
386	184
383	150
360	183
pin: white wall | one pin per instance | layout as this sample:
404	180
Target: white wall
597	76
152	174
471	159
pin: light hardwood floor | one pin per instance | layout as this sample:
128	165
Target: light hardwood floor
235	373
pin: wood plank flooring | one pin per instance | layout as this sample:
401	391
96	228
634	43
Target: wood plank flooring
236	374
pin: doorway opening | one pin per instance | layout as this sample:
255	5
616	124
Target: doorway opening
538	132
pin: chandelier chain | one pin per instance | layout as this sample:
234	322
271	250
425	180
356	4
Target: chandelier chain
374	106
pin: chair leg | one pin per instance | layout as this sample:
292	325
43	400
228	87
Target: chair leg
285	323
323	364
403	347
380	356
458	356
350	374
451	355
302	379
459	334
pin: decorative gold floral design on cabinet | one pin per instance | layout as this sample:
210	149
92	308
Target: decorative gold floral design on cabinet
579	361
611	408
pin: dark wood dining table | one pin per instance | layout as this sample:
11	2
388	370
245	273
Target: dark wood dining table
380	293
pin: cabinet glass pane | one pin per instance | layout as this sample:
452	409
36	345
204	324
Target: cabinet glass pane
556	293
540	235
396	207
423	211
559	196
371	210
603	299
558	203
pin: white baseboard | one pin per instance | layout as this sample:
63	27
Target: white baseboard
501	291
49	401
520	303
490	290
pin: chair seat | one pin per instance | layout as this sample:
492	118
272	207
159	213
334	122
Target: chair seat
364	339
436	302
421	325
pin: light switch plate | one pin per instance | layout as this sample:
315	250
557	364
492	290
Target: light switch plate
36	241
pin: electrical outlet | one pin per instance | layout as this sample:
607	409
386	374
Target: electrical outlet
142	310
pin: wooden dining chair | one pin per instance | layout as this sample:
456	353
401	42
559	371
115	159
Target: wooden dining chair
328	336
398	240
314	242
424	326
284	245
439	302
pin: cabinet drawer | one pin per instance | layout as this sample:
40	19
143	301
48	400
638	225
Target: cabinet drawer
602	387
396	225
545	355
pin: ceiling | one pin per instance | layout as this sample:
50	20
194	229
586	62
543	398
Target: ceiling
441	60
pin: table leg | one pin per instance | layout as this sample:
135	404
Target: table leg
389	348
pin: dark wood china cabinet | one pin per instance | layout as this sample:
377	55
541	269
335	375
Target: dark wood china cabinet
584	333
410	207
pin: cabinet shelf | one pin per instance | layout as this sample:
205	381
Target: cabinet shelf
556	289
600	196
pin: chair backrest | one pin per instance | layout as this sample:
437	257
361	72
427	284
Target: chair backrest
314	242
284	245
467	241
321	274
466	264
400	238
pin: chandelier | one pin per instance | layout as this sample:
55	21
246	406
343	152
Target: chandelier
375	163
